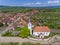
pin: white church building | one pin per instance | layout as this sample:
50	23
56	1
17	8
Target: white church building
30	26
39	31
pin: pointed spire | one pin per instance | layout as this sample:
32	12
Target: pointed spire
29	19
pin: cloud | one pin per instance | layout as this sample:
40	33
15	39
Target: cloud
29	4
38	3
48	3
53	2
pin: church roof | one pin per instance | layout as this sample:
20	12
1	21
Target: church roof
41	29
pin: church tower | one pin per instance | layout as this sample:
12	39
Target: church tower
30	26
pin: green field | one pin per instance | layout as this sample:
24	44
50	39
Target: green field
50	18
9	43
14	10
19	44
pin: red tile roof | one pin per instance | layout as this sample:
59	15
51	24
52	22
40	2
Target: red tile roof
41	29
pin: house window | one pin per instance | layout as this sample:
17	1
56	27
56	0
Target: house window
46	33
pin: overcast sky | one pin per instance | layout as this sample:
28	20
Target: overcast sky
36	3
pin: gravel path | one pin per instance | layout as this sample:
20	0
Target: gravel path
21	40
17	39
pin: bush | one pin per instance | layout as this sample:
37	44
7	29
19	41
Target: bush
24	32
1	24
7	34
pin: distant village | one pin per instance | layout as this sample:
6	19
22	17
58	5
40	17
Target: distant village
24	20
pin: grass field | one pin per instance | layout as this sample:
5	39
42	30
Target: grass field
50	19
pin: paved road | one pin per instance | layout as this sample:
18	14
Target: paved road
55	30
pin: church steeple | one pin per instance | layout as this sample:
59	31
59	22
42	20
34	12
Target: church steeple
29	19
30	25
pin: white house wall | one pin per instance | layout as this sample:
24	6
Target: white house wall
36	33
45	33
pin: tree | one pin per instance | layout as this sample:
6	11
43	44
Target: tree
1	24
24	32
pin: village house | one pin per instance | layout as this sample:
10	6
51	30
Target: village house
41	31
11	28
10	19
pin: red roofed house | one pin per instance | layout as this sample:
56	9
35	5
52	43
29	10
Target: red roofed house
41	31
11	28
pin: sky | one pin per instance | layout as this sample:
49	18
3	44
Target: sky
32	3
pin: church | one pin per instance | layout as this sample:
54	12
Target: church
39	31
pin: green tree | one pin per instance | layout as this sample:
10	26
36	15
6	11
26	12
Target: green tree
1	24
24	32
